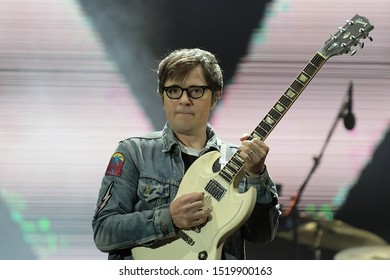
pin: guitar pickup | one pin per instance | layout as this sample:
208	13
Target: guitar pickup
215	190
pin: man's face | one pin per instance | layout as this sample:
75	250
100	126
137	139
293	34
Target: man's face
186	115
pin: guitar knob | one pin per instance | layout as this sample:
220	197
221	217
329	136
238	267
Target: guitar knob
202	255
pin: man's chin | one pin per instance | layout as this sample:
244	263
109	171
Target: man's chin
183	127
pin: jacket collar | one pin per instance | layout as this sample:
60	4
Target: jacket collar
169	141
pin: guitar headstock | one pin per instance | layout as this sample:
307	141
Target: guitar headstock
348	36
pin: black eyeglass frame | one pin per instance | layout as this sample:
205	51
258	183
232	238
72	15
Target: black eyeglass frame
165	89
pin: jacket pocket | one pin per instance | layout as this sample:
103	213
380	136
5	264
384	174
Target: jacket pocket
152	193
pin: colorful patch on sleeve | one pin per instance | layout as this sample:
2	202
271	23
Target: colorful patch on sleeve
115	166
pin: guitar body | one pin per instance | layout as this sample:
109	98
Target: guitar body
227	214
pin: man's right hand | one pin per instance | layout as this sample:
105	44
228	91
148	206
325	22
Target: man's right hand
187	210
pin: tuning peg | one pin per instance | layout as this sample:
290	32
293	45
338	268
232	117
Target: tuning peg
361	44
353	39
350	22
342	30
366	35
350	51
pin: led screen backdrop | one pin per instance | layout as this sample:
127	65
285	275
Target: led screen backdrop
65	103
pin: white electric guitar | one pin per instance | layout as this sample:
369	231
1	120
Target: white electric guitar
229	209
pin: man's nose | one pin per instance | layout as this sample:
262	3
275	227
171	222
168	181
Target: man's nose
185	97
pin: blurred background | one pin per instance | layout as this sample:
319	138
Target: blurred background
76	77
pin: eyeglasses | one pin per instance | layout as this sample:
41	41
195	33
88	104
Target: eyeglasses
175	92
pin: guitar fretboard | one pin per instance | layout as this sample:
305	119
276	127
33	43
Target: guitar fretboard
236	163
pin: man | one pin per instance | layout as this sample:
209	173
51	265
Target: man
137	203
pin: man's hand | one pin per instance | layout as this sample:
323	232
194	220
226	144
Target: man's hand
254	152
187	210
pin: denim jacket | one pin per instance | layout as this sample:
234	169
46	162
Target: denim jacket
142	179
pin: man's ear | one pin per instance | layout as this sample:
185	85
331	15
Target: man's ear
217	97
162	101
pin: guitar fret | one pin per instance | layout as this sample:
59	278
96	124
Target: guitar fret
310	69
265	126
306	74
270	121
280	108
263	133
231	168
297	86
275	114
286	102
238	160
303	78
225	176
235	162
255	134
235	166
300	80
228	172
318	60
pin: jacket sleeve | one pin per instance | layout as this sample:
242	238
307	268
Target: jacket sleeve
262	225
116	224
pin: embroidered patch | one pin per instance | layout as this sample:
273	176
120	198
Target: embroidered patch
104	200
114	168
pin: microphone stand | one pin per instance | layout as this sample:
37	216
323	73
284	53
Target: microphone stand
293	211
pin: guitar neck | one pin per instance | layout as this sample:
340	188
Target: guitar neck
288	98
236	163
